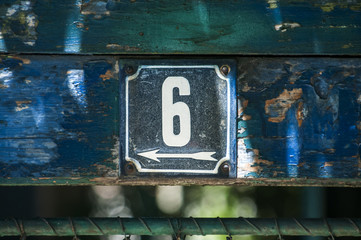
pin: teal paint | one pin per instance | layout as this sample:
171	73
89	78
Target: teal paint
188	27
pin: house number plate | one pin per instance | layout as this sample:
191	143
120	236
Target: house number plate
178	117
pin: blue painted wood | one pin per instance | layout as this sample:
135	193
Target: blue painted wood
298	121
58	116
187	27
299	118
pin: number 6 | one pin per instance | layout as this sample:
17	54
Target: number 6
170	109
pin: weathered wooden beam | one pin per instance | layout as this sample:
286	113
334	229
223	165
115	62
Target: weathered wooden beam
299	117
58	116
298	122
185	27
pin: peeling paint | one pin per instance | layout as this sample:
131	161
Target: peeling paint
24	60
242	105
245	159
119	47
328	164
300	114
106	76
115	150
276	108
22	105
246	117
98	8
249	163
273	4
329	6
116	67
283	27
21	22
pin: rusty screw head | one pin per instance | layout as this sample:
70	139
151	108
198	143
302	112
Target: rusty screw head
225	168
129	168
129	70
225	69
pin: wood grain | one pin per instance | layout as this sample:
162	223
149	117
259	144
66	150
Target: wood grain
185	27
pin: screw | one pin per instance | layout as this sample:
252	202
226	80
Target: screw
225	168
129	70
129	168
225	69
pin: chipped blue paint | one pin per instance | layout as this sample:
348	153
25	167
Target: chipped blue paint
58	117
319	136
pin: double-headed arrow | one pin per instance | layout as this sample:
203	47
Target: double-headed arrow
154	155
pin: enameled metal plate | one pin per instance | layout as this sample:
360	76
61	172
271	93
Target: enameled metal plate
179	117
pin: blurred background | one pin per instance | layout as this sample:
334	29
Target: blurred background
178	201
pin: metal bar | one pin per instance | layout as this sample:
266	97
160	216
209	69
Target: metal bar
333	227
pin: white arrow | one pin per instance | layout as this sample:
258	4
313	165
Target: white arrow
154	155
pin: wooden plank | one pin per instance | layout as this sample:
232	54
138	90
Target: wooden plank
58	116
299	118
298	122
186	27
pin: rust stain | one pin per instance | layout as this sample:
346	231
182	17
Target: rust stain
246	117
106	76
19	103
80	25
242	105
2	86
250	168
301	164
120	47
24	60
22	105
257	160
277	107
262	161
328	164
97	8
330	151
